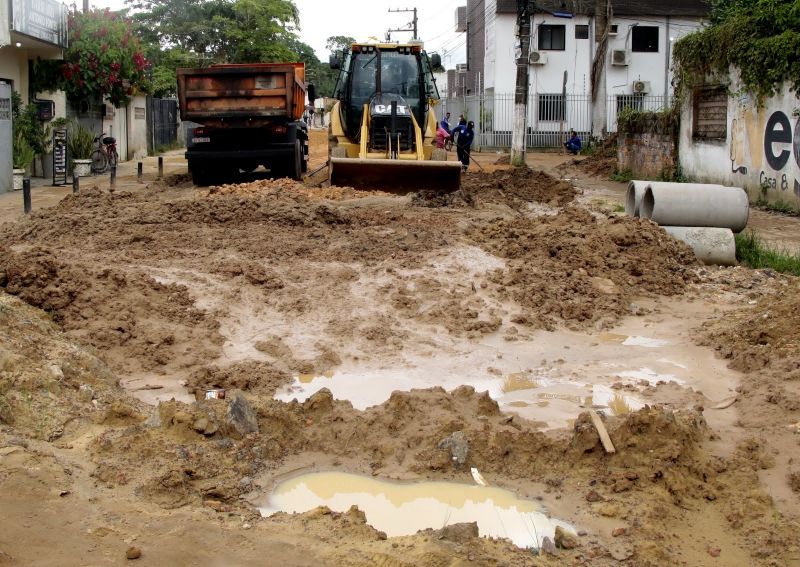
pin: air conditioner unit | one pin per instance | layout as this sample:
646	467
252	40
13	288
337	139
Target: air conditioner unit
641	87
537	58
461	68
620	57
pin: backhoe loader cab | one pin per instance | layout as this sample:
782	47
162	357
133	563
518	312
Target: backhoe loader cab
383	125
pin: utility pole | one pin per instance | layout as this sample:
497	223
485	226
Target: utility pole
521	94
412	23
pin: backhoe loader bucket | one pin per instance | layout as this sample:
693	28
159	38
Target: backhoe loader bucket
396	175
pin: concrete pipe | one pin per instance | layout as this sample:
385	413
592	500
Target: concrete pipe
695	204
711	245
633	197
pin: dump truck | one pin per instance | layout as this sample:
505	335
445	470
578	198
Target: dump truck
249	115
383	125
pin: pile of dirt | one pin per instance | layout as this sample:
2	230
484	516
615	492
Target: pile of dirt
582	269
603	162
47	384
290	187
518	185
136	321
768	335
504	159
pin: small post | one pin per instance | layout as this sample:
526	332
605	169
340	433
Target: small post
26	194
139	172
113	177
160	167
76	184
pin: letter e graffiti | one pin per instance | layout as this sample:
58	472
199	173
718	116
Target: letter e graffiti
778	131
796	143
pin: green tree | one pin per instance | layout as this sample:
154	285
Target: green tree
338	43
105	59
761	38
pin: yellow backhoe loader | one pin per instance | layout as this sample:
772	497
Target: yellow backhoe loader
383	125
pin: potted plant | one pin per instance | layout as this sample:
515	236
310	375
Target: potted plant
22	156
80	143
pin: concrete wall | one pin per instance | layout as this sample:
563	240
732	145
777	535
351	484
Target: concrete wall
14	67
760	152
137	128
648	155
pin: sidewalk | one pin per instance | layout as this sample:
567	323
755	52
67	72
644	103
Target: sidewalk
44	194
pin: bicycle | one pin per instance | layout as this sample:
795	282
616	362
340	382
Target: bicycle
105	155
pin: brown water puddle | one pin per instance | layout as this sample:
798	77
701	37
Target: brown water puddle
405	508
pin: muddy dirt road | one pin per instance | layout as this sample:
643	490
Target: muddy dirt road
443	343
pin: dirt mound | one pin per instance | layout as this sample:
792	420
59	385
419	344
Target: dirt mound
504	159
290	187
603	162
518	184
46	382
580	269
766	335
138	322
261	377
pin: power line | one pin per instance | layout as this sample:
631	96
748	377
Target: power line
412	23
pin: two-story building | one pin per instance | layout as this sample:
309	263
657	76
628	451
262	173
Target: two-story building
29	29
566	37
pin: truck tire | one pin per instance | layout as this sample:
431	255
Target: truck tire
199	177
297	169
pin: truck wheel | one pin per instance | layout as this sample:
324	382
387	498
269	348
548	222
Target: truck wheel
199	177
297	169
304	156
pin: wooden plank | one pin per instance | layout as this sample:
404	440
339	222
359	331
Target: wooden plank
601	429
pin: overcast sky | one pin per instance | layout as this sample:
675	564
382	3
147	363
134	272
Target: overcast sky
363	19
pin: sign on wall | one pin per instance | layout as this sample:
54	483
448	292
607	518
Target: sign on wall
59	157
45	20
766	143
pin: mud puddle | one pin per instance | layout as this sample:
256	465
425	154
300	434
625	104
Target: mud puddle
550	377
399	509
552	402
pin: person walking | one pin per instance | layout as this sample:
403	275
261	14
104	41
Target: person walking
464	135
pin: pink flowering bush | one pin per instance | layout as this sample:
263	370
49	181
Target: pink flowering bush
104	58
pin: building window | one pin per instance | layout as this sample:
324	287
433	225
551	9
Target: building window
551	108
552	38
710	116
581	32
645	39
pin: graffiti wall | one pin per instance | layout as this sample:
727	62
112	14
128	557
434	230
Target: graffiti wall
760	150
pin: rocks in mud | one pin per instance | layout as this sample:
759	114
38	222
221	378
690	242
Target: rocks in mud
241	415
564	539
458	445
133	553
548	547
205	426
460	533
86	393
593	496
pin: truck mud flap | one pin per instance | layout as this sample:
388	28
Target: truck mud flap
395	176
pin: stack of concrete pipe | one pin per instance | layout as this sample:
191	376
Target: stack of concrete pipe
704	216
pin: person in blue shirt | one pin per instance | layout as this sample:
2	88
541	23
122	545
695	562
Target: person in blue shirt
574	143
445	123
464	135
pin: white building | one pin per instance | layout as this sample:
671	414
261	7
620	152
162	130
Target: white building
564	42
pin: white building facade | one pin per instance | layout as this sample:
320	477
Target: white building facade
637	71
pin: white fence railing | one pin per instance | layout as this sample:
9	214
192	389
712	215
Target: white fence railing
550	116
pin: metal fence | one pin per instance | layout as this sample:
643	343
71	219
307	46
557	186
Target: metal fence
550	116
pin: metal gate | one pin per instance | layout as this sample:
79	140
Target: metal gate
164	113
